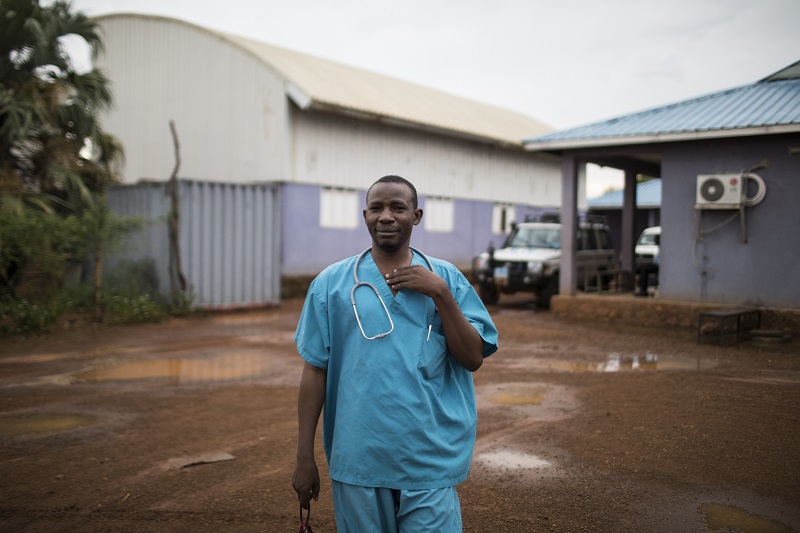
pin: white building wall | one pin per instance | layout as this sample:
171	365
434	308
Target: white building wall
338	151
236	124
230	110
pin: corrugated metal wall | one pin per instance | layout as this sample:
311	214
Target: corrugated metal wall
341	152
236	125
229	239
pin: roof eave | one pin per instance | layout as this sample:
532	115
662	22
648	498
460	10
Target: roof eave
571	144
297	95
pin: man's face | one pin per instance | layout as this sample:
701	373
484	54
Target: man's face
390	216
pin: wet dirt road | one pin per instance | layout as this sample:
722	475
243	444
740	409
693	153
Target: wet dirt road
189	425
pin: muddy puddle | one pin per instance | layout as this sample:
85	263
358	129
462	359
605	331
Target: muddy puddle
613	362
528	401
41	423
178	371
727	518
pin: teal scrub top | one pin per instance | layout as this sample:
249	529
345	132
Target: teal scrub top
399	411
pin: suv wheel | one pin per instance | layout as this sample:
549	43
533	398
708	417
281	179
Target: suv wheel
488	293
547	292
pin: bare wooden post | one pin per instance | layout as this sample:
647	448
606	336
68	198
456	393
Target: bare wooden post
176	278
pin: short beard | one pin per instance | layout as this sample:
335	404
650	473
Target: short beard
389	248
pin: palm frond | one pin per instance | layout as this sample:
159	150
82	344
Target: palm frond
92	89
75	194
49	114
111	153
15	35
17	203
16	117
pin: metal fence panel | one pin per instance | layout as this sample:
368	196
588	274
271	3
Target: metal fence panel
229	239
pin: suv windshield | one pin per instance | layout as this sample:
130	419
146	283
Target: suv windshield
537	238
648	239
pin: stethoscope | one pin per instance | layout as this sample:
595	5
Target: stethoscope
359	283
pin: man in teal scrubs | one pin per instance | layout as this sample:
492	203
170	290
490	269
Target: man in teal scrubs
396	385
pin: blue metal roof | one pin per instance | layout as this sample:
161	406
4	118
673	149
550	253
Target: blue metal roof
648	195
770	106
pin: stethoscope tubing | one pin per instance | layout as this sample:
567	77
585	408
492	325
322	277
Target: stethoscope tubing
359	283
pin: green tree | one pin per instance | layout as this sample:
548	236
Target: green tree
49	127
55	159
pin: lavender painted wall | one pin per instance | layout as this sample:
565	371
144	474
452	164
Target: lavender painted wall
307	248
722	268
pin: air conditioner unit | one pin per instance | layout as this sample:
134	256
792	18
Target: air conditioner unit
720	191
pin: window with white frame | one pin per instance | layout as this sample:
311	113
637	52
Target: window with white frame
502	217
439	214
338	208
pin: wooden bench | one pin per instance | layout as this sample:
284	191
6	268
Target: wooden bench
730	324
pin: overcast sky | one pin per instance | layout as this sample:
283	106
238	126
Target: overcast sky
564	63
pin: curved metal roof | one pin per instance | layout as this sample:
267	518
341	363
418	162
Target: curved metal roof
319	84
333	86
769	106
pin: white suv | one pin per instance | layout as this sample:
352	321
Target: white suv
530	259
647	246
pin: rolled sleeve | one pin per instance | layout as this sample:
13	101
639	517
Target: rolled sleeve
312	336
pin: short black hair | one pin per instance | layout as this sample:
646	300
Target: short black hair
398	179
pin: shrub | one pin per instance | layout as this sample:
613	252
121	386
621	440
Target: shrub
123	309
131	294
24	318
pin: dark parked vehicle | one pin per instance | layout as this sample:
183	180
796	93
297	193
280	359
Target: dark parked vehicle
530	259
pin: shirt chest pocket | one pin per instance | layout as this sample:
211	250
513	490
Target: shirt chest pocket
433	351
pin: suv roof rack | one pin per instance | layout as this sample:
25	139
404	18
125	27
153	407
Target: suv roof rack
599	219
545	216
555	217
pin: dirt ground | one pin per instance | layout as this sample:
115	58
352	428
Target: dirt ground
189	425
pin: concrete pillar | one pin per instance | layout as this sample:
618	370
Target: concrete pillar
627	258
568	280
